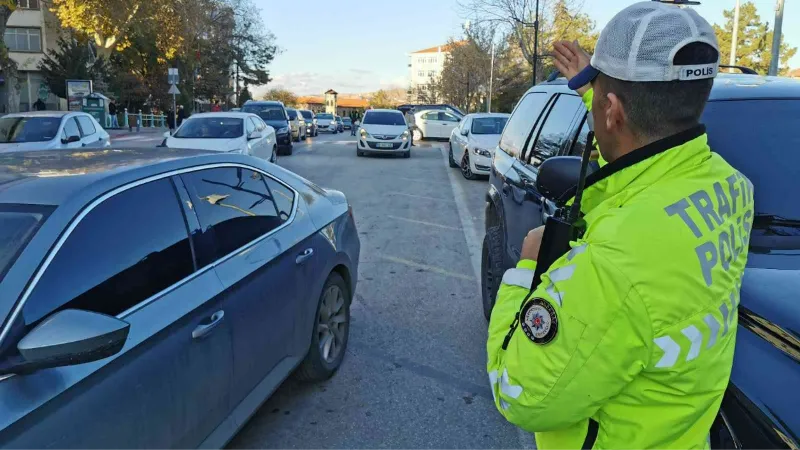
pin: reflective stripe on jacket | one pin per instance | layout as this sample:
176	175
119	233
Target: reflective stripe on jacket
645	304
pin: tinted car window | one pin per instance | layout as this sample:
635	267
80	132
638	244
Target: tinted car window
307	114
292	114
769	158
18	224
431	115
251	126
233	204
325	116
581	140
521	123
71	128
384	118
443	116
128	248
284	198
266	112
87	127
489	125
211	128
556	128
28	129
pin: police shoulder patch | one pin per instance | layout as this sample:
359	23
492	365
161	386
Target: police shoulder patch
539	321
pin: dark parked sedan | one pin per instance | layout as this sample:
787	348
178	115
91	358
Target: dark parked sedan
156	297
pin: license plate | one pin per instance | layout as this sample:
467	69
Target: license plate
384	145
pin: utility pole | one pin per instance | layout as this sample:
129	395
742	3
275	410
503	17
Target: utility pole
735	37
491	79
776	39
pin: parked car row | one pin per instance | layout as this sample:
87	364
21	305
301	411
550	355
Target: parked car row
51	130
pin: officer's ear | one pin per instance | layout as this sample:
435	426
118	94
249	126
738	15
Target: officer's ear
616	119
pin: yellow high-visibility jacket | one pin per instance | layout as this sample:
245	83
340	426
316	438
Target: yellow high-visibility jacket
635	327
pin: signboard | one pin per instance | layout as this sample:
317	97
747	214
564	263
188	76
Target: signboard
76	90
172	75
174	90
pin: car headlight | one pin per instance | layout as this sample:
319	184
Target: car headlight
405	135
364	134
482	152
282	130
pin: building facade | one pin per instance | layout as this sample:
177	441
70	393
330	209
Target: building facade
425	68
31	30
331	103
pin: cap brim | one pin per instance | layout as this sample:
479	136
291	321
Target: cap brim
583	77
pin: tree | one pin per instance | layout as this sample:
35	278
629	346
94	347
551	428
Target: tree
253	46
281	95
244	96
111	22
465	75
559	20
381	100
7	65
754	41
72	60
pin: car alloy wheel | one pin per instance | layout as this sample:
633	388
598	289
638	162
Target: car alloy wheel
418	136
332	324
465	168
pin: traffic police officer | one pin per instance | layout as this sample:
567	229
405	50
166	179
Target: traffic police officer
631	333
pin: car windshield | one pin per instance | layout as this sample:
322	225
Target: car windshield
488	125
266	112
346	120
211	128
384	118
769	158
307	114
28	129
292	114
18	224
325	116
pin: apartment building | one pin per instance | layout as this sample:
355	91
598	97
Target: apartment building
425	66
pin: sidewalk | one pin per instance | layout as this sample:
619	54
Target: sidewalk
118	132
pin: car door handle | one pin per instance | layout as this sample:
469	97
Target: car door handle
208	325
303	257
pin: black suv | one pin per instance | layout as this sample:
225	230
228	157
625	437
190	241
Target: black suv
275	115
750	121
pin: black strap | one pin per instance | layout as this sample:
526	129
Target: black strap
591	434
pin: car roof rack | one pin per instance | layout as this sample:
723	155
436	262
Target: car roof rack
745	70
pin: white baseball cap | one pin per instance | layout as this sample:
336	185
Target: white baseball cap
642	41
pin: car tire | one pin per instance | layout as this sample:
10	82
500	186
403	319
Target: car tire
359	152
317	366
452	161
274	157
491	268
417	135
466	170
407	154
290	150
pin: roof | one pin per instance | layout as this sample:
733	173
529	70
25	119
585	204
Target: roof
343	102
50	177
331	91
440	48
726	87
310	100
42	114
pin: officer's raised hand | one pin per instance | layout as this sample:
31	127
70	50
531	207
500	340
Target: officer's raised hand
570	59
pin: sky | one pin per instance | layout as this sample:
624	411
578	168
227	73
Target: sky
355	46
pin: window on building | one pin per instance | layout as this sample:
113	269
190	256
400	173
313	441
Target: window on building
28	4
23	39
431	73
421	73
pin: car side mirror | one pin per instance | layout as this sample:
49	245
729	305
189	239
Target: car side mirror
71	139
67	338
166	134
465	132
557	178
254	135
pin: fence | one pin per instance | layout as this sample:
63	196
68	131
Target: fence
137	120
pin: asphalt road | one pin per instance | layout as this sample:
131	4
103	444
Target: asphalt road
414	373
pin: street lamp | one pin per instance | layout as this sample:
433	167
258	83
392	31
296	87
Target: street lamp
535	26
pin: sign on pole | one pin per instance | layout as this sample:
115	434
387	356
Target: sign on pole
174	90
172	75
76	90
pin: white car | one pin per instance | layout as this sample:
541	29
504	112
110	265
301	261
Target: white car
435	124
297	123
472	144
233	132
384	131
50	130
326	122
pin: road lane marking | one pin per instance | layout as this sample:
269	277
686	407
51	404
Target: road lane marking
422	196
467	225
433	269
421	180
422	222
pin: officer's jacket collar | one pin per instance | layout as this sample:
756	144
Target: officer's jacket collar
642	167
